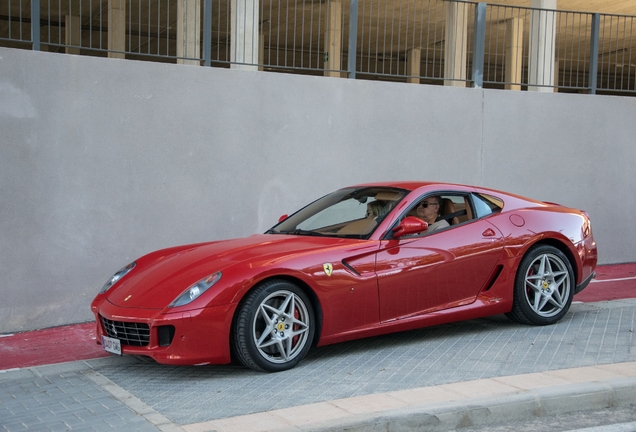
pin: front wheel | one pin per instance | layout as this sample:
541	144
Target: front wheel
274	327
544	287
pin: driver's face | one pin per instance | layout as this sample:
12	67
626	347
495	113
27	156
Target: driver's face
428	209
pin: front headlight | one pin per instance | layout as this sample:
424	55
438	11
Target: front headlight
120	274
196	290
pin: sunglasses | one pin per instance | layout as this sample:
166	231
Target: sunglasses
426	204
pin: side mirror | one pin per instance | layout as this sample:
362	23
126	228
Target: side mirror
409	225
282	218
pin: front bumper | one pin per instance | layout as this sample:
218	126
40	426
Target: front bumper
201	336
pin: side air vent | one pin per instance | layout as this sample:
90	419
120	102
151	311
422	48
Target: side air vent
166	334
493	277
351	269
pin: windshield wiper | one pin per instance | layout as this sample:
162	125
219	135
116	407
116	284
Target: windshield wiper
300	232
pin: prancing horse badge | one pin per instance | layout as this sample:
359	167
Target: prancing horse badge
328	267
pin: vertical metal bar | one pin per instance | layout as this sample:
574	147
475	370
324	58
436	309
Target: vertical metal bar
623	49
90	25
295	26
302	36
48	38
101	25
479	45
353	38
149	37
207	32
35	24
596	21
631	34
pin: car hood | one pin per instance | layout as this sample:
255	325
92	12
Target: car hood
161	276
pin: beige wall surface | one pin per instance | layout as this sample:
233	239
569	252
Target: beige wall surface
104	160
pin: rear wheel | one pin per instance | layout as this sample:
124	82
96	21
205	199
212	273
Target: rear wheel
274	327
544	287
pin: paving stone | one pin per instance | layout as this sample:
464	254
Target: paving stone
444	354
493	347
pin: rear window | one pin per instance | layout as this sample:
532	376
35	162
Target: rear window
487	204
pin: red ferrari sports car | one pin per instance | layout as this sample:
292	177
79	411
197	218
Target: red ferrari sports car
362	261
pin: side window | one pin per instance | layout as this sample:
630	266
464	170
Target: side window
486	205
455	209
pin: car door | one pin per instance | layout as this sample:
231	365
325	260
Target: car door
437	271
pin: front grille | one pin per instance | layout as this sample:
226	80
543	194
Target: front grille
166	334
129	333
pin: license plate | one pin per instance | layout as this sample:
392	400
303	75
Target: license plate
111	345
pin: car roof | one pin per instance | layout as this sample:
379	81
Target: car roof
410	185
519	200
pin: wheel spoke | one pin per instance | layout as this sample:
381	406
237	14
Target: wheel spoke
281	349
269	328
562	277
270	342
537	300
535	286
287	304
542	262
267	307
547	265
556	300
544	300
288	347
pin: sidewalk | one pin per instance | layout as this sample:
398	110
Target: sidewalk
437	378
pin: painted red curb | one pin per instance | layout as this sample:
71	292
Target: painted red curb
77	341
612	282
49	346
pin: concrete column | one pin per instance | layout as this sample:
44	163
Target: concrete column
413	63
514	53
456	36
244	39
72	33
116	28
188	31
542	53
333	38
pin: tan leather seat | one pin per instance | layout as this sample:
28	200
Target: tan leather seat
360	226
448	207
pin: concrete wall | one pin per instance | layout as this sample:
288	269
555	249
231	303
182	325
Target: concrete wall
103	160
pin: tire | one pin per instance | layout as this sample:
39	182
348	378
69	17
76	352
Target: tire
274	327
544	287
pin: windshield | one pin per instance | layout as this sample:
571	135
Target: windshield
347	212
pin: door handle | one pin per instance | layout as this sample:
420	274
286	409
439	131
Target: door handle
489	233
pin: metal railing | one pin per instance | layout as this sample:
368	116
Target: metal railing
417	41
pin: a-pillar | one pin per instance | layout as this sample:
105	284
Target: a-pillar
116	28
333	38
188	32
72	34
413	62
541	54
455	42
244	39
514	53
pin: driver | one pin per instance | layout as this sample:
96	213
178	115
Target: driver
429	211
